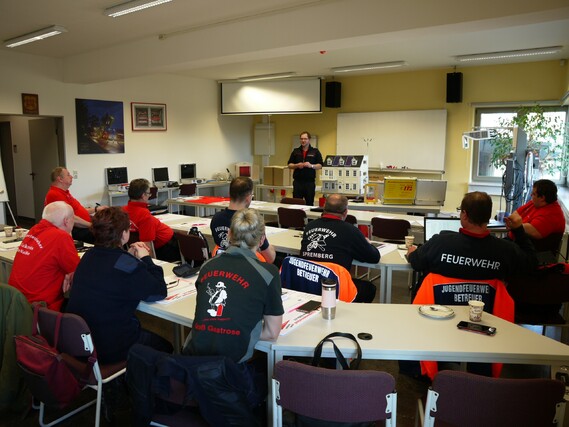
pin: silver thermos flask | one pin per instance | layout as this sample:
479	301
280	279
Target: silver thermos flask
329	298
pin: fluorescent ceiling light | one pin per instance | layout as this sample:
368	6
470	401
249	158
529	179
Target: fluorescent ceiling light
509	54
132	6
54	30
267	77
365	67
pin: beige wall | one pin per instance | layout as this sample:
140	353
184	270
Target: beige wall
537	81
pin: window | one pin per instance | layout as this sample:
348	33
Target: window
551	151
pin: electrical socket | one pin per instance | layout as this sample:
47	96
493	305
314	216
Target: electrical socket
74	174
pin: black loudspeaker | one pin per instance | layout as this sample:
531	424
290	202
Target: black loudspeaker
333	94
454	87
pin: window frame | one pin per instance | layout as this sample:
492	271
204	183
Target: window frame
478	112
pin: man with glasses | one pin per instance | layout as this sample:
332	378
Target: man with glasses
149	228
240	197
305	160
474	253
542	215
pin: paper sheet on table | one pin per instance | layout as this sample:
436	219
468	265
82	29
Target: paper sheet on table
273	230
10	246
179	288
384	248
292	317
168	217
202	223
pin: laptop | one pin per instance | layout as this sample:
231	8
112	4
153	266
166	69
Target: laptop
434	225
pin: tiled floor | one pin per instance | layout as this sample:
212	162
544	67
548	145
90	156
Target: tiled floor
408	389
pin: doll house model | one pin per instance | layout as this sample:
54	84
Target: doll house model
344	174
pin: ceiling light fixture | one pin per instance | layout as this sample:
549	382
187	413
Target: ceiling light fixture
365	67
267	77
44	33
132	6
509	54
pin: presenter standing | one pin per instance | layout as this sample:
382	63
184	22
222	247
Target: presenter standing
305	160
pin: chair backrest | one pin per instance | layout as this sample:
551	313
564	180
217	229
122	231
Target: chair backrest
464	399
153	193
390	229
193	249
435	289
74	333
306	276
348	396
291	218
293	201
350	219
188	189
548	248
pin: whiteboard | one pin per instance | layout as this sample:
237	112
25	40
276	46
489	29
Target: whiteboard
414	139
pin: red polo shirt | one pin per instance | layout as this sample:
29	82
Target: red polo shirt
56	194
149	227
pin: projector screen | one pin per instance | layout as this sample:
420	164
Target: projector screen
272	97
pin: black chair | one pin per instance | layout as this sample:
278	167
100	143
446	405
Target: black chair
349	396
135	237
291	218
463	399
548	248
390	230
194	249
293	201
188	190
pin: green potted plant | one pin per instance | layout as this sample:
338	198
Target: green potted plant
544	133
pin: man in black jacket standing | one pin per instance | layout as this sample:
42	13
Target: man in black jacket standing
305	160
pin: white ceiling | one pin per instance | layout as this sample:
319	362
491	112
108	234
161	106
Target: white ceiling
227	39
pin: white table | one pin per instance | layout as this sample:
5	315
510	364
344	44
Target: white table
288	241
399	333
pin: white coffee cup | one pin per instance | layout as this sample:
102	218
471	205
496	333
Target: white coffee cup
475	310
409	241
8	231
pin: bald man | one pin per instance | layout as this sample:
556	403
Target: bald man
46	260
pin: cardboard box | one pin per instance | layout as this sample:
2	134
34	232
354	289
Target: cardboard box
282	175
268	175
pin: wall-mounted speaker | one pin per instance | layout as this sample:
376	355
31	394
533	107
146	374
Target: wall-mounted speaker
333	94
454	87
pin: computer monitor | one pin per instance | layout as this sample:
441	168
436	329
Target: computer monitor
117	176
188	171
160	175
243	169
434	225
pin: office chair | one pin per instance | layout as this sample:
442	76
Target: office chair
548	248
194	249
188	190
76	345
328	395
468	400
293	201
390	230
286	201
291	218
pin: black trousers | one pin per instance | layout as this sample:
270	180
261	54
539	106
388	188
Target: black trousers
304	190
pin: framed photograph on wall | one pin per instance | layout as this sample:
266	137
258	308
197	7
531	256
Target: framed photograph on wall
148	116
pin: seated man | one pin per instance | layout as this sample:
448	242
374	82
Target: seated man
474	253
61	180
331	239
46	259
238	300
150	228
240	195
542	215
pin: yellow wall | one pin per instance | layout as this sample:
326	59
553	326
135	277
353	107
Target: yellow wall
422	90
